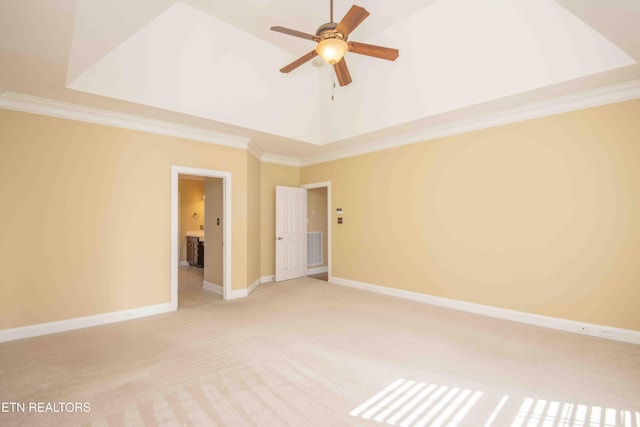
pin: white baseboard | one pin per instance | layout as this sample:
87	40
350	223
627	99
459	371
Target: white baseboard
183	263
239	293
83	322
212	287
254	285
234	294
317	270
608	332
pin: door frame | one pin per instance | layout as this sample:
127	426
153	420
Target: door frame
327	185
175	227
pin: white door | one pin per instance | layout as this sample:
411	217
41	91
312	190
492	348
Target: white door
291	232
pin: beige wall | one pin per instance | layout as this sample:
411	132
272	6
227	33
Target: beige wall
213	231
254	168
85	216
317	203
191	202
541	216
272	175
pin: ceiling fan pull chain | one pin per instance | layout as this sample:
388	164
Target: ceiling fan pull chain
333	83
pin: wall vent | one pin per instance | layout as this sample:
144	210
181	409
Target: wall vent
314	248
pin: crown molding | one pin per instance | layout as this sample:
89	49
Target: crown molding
563	104
280	160
255	149
64	110
271	158
586	99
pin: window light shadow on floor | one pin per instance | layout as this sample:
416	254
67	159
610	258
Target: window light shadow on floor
544	413
408	403
411	403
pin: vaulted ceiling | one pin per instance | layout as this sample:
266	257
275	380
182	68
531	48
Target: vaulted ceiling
212	65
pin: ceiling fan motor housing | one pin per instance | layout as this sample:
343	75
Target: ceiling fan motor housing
327	31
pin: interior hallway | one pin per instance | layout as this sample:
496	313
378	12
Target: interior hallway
190	290
320	276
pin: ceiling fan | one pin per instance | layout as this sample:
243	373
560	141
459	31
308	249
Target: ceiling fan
333	43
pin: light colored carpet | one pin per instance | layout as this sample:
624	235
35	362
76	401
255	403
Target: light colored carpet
309	353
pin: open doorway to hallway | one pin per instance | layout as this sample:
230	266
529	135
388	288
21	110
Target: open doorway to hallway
200	233
201	236
318	230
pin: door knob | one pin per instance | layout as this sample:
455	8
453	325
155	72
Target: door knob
280	238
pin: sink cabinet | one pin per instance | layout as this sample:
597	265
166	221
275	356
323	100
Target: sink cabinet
200	255
195	251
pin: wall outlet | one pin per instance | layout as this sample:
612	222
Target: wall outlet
583	329
607	333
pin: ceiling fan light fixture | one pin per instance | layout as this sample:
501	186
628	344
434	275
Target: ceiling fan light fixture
332	46
332	49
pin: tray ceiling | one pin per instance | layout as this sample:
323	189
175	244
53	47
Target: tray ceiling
214	64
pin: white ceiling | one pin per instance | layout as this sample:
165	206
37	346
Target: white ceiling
212	65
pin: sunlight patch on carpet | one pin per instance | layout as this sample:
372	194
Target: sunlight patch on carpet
544	413
411	403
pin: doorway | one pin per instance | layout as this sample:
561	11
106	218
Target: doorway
192	215
319	225
217	184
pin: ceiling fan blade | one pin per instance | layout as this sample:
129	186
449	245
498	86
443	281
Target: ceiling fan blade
351	20
375	51
342	72
298	62
295	33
